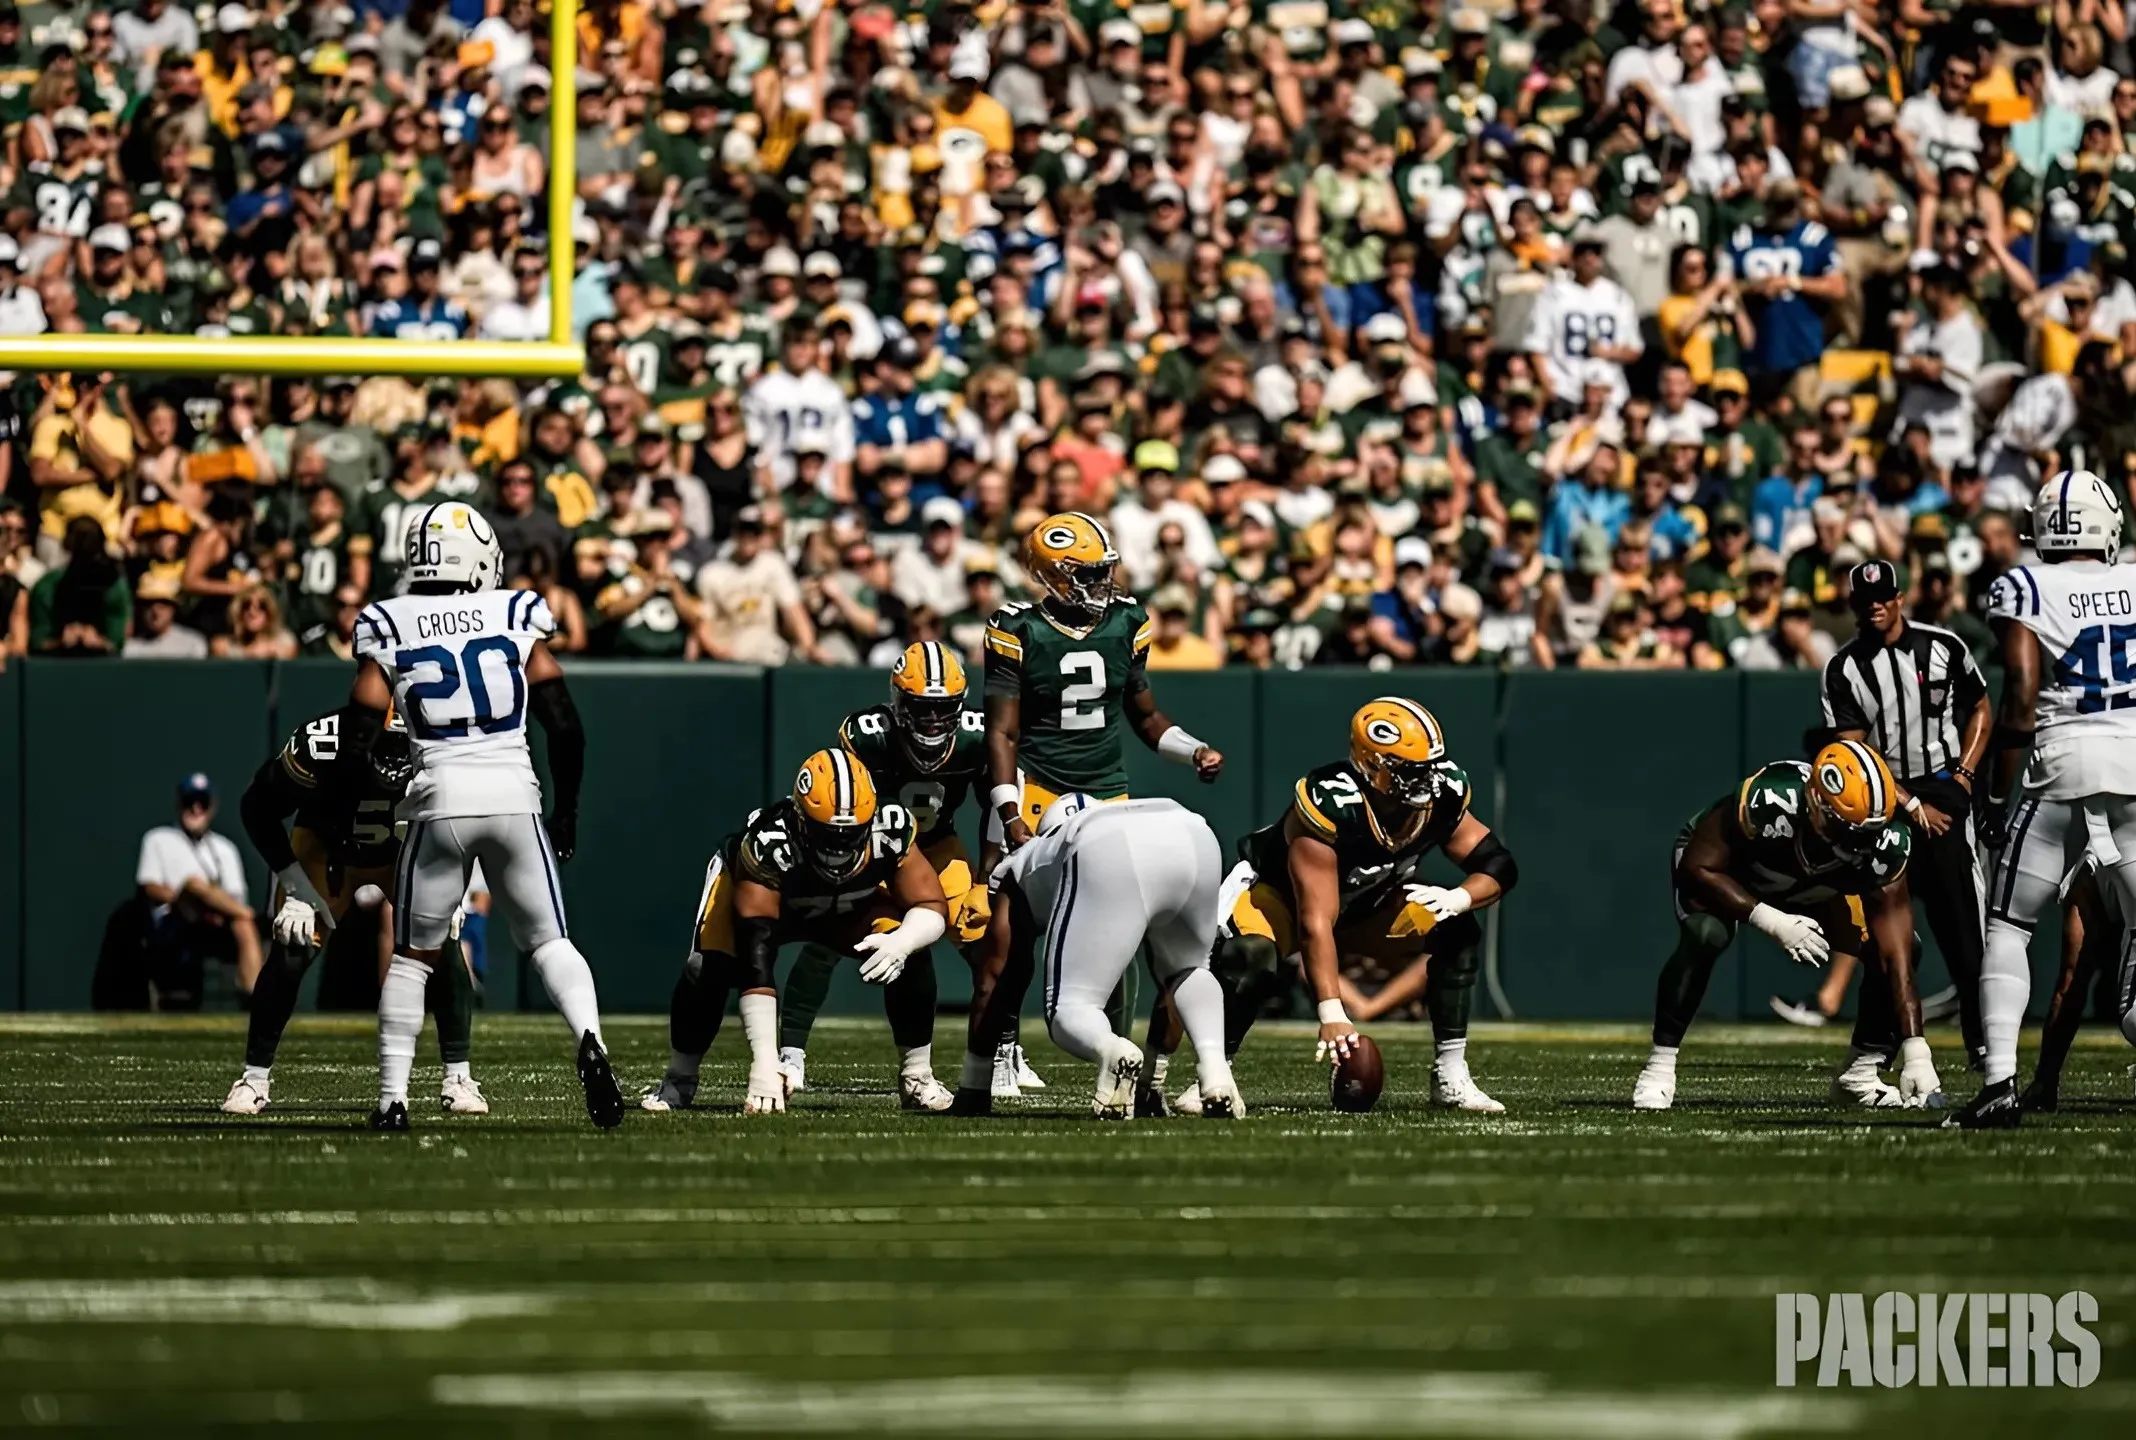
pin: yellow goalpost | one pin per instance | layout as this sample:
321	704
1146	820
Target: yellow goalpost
558	357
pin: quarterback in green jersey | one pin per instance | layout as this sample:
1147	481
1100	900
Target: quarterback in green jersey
1813	856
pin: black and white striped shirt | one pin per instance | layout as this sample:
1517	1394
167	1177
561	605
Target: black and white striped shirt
1911	699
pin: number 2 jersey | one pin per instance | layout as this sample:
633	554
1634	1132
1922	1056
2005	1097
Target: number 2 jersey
933	796
2083	613
1072	688
338	798
1783	861
1330	803
457	665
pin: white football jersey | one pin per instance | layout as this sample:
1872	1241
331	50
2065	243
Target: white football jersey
458	667
2083	613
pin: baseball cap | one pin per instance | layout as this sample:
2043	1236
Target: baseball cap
1879	113
1729	516
811	443
1469	20
942	510
749	517
1223	470
1412	550
110	237
1504	561
1157	455
1258	512
1386	328
10	252
427	255
1766	562
1351	32
154	587
822	262
196	786
1523	512
1873	582
1164	192
779	260
234	19
71	117
1730	382
969	64
1120	32
269	142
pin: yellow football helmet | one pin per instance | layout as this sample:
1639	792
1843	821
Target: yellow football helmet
1397	746
834	800
1852	797
1072	558
927	690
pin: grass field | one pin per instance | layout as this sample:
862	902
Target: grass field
1568	1270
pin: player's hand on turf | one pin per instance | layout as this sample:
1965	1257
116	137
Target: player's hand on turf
563	834
767	1091
1016	834
1208	763
296	923
882	958
1337	1039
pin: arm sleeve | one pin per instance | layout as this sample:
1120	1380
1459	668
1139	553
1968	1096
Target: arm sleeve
558	717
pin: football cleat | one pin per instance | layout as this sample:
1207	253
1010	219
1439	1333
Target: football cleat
1655	1089
390	1119
1150	1103
1864	1088
1804	1012
1996	1107
2042	1097
1453	1088
674	1092
1222	1104
793	1064
1026	1077
247	1096
1004	1086
972	1102
924	1092
1119	1075
1189	1100
460	1095
604	1098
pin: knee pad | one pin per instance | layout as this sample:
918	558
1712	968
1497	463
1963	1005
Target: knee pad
1241	959
1708	933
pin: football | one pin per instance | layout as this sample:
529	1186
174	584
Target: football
1359	1079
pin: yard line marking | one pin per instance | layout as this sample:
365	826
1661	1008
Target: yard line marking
351	1304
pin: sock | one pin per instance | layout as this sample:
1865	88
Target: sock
977	1073
1199	999
1451	1052
1450	987
2005	990
400	1023
760	1022
808	983
1154	1070
1250	970
909	1003
1700	939
451	997
458	1070
274	1000
569	980
696	1009
257	1074
916	1061
1662	1058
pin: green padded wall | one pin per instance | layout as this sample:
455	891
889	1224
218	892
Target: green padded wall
12	950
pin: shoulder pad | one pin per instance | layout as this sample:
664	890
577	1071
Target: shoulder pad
313	749
1888	857
865	730
972	722
896	831
766	854
1323	798
2010	597
1770	805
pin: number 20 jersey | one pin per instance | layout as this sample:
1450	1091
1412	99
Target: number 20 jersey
2083	613
457	665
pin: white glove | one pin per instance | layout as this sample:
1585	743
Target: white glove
459	921
1919	1089
1800	936
767	1090
883	957
1443	904
295	923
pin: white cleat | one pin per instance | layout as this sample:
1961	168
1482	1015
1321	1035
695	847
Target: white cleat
1224	1104
1655	1089
674	1092
247	1097
1864	1088
460	1095
793	1064
924	1092
1119	1072
1026	1077
1004	1083
1189	1101
1453	1088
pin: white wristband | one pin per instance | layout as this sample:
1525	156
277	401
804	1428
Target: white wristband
1913	806
1332	1013
1177	746
1003	797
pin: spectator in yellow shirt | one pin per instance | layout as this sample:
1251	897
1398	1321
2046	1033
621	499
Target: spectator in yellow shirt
80	451
1176	645
969	123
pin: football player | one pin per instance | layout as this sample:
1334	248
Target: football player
927	752
829	864
1809	855
337	859
2075	809
468	665
1338	876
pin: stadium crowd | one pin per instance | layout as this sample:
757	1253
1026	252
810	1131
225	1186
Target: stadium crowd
1542	333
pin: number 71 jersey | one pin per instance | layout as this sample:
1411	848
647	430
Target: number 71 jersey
458	668
2083	613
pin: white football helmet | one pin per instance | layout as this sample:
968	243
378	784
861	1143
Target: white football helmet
2076	512
451	544
1063	806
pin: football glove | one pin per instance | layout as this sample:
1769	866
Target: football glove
767	1090
882	957
1801	937
304	912
1442	903
1994	825
563	834
295	923
1919	1087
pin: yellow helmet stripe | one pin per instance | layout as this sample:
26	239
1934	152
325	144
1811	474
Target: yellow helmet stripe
1873	772
842	777
1423	717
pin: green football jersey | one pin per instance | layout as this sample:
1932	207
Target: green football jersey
1785	863
933	796
1330	803
1073	688
767	852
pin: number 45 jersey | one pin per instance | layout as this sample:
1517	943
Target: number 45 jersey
1072	687
2083	613
458	668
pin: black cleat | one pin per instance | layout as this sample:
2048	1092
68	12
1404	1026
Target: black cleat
1150	1104
604	1098
2043	1096
974	1100
1994	1108
392	1120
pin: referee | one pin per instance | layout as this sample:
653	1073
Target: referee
1913	692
